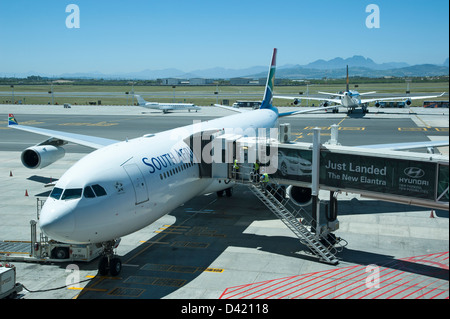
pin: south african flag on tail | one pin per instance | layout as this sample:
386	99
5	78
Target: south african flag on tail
12	120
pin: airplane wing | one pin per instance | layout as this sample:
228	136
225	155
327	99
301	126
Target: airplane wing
230	108
401	98
306	111
367	93
334	94
85	140
406	146
337	101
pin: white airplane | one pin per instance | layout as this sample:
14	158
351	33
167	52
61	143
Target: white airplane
123	186
351	99
166	107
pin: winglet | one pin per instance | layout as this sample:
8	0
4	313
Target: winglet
12	120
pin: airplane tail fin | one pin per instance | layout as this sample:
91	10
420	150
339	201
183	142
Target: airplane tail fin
268	94
347	87
140	100
12	120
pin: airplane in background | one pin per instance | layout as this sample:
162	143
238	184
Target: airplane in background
351	99
166	107
123	186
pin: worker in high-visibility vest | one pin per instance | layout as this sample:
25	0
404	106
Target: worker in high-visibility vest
255	174
264	178
256	166
236	169
235	165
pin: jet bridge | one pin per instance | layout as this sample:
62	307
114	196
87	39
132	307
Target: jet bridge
288	176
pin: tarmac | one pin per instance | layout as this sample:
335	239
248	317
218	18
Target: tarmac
227	248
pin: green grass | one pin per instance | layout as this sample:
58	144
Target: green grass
184	94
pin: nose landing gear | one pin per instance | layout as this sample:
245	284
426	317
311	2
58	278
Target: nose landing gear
108	262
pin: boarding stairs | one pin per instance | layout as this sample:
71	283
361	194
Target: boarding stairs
295	218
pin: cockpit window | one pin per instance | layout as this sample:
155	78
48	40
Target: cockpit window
56	193
72	193
99	191
88	193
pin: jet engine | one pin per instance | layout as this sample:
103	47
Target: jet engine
41	156
300	196
296	101
377	104
408	102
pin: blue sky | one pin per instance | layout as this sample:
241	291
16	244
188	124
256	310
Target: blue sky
129	36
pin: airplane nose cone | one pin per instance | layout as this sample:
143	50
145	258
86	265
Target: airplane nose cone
57	223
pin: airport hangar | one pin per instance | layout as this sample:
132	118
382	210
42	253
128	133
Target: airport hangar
234	247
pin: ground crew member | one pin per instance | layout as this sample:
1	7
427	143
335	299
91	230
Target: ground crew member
264	178
235	165
236	168
256	167
255	174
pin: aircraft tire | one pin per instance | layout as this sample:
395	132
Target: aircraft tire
229	191
103	266
115	266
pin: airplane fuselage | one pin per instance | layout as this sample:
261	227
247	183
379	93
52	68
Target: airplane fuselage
351	100
143	178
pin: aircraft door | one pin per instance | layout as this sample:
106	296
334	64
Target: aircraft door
138	182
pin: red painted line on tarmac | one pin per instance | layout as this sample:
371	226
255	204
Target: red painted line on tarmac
361	285
407	288
431	291
302	283
340	283
300	279
327	283
347	291
277	282
421	288
395	275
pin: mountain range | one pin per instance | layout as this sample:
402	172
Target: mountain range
334	68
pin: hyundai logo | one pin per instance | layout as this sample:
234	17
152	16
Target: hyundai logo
414	172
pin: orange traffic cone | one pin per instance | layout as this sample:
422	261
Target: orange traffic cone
26	192
432	214
10	174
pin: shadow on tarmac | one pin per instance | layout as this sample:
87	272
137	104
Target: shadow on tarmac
205	228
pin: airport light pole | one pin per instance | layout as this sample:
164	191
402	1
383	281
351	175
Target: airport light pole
408	81
51	92
307	92
132	92
173	87
217	94
12	87
315	179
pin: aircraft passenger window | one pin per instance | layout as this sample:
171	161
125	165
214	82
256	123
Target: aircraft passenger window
160	176
56	193
99	191
88	193
72	193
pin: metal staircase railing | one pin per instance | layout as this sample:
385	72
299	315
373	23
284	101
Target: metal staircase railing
295	218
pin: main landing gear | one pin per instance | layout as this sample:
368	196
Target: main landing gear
108	262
